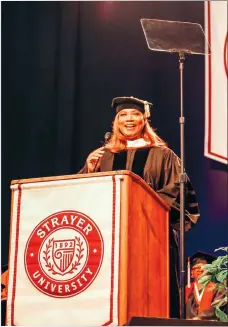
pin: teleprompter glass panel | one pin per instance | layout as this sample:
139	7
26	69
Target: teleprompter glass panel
174	36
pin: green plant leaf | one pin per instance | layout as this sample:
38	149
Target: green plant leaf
219	261
223	249
222	275
220	287
217	272
225	261
221	315
212	270
204	280
220	302
210	267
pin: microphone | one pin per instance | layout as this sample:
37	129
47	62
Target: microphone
107	137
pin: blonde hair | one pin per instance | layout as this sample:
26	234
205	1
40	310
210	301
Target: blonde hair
118	141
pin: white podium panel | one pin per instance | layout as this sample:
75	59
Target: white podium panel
64	253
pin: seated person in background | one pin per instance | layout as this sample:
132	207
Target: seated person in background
198	299
4	291
4	283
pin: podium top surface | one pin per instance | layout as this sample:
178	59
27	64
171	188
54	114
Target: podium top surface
127	173
73	176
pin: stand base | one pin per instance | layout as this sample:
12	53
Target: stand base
151	321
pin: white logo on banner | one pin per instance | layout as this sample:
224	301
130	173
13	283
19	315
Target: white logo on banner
216	72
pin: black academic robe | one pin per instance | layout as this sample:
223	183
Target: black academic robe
160	168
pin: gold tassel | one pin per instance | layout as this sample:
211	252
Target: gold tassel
189	272
147	109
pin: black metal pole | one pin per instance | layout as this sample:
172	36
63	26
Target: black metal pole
182	191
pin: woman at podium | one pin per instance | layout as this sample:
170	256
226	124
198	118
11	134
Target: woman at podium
135	146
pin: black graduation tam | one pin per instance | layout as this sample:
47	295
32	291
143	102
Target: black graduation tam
199	257
196	258
121	103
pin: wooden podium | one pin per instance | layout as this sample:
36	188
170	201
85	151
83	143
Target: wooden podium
142	261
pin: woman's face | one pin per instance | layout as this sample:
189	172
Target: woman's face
131	123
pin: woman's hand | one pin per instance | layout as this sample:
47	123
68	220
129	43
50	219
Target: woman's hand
93	160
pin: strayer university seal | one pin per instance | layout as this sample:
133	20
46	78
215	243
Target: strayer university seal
63	254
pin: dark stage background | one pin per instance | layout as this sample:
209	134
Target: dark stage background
63	62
